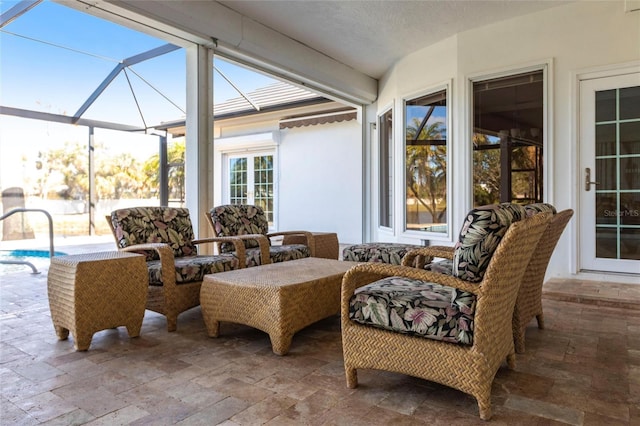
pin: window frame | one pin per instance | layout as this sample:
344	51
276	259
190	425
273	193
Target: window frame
547	131
426	236
389	176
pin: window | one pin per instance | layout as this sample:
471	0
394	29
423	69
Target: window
426	163
251	182
385	155
508	139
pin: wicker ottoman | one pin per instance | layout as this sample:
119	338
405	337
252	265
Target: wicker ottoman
377	252
326	243
279	298
97	291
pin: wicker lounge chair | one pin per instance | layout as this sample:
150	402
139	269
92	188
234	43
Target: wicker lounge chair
241	219
471	333
529	301
165	235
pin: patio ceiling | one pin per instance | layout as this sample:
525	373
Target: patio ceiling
341	47
370	36
357	42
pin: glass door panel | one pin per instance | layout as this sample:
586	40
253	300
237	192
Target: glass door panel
251	182
610	201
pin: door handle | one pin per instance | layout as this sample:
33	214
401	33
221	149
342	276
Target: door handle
587	180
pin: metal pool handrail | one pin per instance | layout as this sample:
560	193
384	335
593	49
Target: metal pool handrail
51	251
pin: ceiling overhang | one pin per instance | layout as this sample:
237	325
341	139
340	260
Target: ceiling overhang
242	39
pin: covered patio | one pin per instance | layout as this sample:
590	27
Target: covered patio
580	370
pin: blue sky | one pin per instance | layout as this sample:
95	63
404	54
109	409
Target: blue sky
53	57
82	50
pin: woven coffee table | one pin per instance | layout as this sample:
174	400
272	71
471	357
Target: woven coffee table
97	291
279	298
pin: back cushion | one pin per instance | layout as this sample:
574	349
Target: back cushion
169	225
479	237
533	209
238	219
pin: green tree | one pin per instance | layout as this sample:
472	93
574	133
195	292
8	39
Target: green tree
120	176
486	171
151	170
64	173
426	167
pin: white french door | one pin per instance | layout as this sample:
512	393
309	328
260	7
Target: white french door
609	184
250	181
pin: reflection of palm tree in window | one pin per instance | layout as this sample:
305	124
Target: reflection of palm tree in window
427	165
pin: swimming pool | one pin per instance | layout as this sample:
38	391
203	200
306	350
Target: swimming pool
22	260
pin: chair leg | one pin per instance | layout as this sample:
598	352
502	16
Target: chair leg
61	332
82	340
484	402
511	361
134	329
172	322
485	412
352	377
540	319
518	341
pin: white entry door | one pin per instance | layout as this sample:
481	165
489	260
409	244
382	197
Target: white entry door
609	184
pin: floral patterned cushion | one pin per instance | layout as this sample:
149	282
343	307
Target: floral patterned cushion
377	252
479	237
193	268
416	307
169	225
444	266
515	211
238	219
532	209
278	254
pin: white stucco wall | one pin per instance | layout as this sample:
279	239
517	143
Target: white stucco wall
569	40
321	179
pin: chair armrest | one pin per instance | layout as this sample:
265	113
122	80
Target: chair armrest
167	262
366	273
424	255
240	250
308	235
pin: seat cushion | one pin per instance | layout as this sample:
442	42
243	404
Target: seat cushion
193	268
479	237
377	252
238	219
169	225
416	307
284	253
281	253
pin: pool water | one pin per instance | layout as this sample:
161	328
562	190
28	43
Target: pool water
38	258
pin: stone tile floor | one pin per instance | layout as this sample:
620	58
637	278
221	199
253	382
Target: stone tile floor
583	369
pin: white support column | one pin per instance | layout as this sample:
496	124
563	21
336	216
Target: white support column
199	136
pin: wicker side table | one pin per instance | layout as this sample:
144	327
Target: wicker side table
279	298
97	291
326	243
